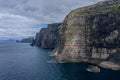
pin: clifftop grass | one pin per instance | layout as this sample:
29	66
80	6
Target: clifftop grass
95	9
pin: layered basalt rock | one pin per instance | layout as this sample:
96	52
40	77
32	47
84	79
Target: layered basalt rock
91	34
47	37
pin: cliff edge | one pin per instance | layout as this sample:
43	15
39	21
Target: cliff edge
91	34
47	37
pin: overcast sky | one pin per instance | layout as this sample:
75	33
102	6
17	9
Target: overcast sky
23	18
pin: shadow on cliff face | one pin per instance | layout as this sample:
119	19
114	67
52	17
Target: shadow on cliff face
115	57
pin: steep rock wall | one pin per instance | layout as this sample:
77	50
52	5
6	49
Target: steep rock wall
90	34
46	38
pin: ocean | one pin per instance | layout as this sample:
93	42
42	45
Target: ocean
19	61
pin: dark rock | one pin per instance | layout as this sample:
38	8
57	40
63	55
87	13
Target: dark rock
92	68
92	32
89	34
47	37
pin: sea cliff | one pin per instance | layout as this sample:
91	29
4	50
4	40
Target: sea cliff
47	37
88	34
91	34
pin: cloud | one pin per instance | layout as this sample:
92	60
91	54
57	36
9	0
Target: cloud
18	18
16	26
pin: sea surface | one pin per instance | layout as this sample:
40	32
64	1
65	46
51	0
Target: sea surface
20	61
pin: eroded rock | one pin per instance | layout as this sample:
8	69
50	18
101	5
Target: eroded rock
91	32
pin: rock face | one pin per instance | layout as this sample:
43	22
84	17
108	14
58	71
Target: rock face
91	34
93	68
47	37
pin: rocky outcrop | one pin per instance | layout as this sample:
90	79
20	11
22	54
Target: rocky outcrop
47	37
93	68
91	34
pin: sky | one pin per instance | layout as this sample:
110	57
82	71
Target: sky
23	18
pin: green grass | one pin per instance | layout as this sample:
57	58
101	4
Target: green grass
92	10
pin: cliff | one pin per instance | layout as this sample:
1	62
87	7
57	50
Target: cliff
47	37
91	34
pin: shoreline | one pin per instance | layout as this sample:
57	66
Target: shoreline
101	63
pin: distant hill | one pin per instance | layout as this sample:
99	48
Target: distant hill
26	40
